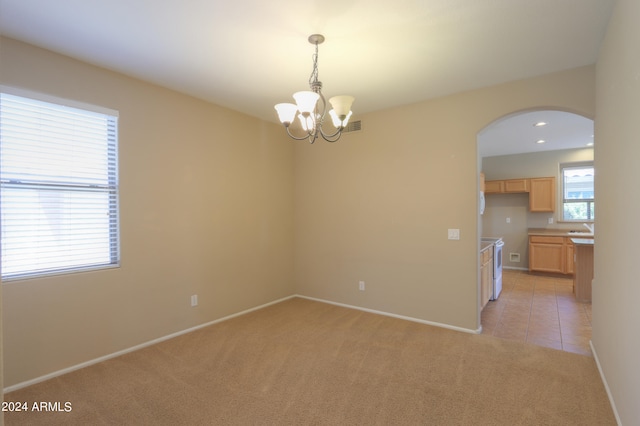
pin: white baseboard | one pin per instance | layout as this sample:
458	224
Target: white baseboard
606	385
135	348
373	311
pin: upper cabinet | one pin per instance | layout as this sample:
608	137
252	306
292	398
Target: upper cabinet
506	186
542	191
542	194
493	186
516	185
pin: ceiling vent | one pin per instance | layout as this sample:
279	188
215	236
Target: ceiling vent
353	126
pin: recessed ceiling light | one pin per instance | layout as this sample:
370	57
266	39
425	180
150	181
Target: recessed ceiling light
540	141
540	124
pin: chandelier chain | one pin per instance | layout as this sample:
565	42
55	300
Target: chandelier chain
313	78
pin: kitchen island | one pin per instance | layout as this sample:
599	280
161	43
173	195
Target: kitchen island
583	275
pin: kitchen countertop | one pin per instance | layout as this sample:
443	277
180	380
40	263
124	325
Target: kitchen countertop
559	233
582	241
485	245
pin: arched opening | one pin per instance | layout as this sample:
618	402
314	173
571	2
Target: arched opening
537	301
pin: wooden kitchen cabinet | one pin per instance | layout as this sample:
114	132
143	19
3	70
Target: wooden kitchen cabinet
516	185
493	186
547	254
583	272
552	254
506	186
571	251
542	194
542	191
570	260
486	276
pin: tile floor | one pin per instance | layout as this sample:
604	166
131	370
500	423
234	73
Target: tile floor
540	310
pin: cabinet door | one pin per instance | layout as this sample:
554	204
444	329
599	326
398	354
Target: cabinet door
486	281
516	185
570	250
542	194
570	259
546	257
493	186
484	286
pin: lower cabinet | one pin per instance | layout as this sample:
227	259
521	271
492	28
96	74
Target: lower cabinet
486	276
570	259
547	254
551	254
583	272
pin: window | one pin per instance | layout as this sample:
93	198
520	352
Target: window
577	192
59	186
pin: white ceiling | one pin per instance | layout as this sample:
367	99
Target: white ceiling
518	133
248	55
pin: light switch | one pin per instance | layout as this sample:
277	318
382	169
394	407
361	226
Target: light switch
508	220
454	234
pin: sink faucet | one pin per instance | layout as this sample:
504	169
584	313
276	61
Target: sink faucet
589	227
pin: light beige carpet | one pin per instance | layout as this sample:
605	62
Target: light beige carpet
308	363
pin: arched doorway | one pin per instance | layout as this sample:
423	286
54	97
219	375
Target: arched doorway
531	144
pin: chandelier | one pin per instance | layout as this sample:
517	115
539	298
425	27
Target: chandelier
311	107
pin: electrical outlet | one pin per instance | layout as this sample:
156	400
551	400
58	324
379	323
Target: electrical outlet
194	300
453	234
361	285
550	221
508	220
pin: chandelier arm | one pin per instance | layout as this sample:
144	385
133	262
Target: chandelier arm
331	138
320	117
299	138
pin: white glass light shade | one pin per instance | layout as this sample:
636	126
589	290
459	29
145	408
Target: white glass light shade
337	122
308	123
342	105
286	112
306	101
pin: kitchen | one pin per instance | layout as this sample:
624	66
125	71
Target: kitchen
524	203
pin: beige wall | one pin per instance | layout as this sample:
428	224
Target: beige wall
205	208
516	206
376	206
616	288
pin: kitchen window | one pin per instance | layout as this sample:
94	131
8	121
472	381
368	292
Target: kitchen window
59	186
578	192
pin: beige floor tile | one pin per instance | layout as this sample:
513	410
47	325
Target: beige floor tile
539	310
548	343
578	349
510	333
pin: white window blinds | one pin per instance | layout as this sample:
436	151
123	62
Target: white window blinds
59	195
